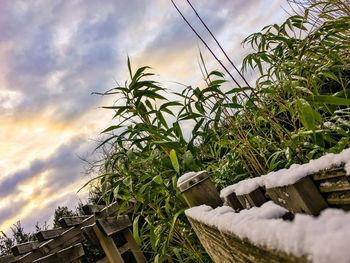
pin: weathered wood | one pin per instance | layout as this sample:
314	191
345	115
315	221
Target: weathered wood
135	250
66	222
301	197
23	248
113	209
111	226
69	237
329	173
89	234
339	198
335	185
92	209
7	259
66	255
228	248
232	201
254	198
199	190
108	246
103	260
49	234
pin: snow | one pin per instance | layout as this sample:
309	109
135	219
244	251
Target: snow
291	175
185	177
321	239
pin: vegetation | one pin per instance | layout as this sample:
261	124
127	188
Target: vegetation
296	111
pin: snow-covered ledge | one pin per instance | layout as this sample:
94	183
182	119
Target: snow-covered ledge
291	175
260	235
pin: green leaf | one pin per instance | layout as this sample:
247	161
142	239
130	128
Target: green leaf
174	160
158	179
326	99
135	230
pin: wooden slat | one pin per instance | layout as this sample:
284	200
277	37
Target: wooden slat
66	222
23	248
66	255
111	226
70	237
7	259
339	198
103	260
301	197
330	173
334	185
92	209
229	248
49	234
232	201
89	234
136	251
108	246
254	198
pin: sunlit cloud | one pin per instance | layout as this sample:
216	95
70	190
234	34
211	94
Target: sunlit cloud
56	53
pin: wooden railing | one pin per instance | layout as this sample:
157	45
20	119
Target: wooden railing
308	195
99	226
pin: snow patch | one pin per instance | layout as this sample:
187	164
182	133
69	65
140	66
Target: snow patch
291	175
321	239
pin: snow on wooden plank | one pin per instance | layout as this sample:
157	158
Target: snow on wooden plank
320	239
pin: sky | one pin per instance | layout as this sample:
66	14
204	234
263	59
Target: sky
55	53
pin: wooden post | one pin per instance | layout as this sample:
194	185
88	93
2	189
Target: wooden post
198	190
108	246
7	259
135	250
23	248
232	201
254	198
300	197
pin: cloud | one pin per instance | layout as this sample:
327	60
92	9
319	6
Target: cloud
55	53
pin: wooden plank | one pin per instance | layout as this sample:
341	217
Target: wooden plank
254	198
92	209
200	190
66	222
135	250
111	226
67	255
112	209
89	234
232	201
228	248
301	197
339	198
328	174
49	234
334	185
70	237
103	260
7	259
23	248
108	246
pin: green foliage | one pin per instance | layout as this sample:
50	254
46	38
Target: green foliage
297	111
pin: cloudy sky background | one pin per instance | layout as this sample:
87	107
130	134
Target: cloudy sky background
54	54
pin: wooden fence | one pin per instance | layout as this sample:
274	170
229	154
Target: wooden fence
309	195
99	225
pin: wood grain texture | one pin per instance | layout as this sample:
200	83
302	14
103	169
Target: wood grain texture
225	247
300	197
254	198
67	255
